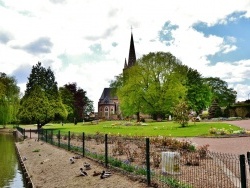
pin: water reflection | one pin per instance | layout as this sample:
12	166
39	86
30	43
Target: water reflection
10	174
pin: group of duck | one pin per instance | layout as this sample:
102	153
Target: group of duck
86	166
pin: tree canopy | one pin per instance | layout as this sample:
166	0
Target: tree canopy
220	91
152	86
41	102
9	99
76	101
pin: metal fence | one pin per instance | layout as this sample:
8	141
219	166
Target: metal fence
158	165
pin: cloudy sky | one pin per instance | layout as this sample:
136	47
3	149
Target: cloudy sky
87	41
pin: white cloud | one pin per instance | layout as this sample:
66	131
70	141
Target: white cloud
74	25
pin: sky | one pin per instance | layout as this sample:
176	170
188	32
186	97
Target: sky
87	41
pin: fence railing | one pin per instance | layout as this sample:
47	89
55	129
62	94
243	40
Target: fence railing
158	165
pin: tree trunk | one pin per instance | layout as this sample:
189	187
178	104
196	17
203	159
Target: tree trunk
138	116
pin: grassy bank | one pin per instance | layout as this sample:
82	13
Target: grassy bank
146	129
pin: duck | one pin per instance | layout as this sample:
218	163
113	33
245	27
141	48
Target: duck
71	160
77	157
82	172
96	173
105	174
86	166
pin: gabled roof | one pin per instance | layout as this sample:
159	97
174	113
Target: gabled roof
107	96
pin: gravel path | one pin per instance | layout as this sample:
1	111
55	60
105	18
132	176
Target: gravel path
238	145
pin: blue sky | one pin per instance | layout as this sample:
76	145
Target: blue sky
87	41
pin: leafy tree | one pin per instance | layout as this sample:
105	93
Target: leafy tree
9	99
152	86
220	91
181	112
198	92
214	110
41	102
76	101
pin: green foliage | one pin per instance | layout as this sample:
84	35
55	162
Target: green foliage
41	102
198	92
181	113
76	101
152	86
9	99
215	110
220	91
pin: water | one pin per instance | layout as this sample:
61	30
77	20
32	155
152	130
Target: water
10	172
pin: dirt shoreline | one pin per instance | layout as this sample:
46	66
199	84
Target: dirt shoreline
49	166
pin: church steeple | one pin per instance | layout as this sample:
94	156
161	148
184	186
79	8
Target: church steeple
125	64
132	56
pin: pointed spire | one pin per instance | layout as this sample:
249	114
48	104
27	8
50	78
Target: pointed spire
125	64
132	56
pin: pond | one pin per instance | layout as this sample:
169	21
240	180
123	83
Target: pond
10	171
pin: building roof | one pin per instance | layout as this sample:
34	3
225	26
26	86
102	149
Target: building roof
107	97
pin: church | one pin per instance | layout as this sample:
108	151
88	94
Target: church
108	105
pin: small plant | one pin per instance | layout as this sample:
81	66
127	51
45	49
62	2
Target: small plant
203	150
36	150
156	159
212	130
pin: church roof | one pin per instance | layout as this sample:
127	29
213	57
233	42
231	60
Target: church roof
132	56
107	96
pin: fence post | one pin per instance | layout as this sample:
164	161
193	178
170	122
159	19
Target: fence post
38	132
23	133
248	160
51	140
106	150
59	137
30	133
83	144
148	161
69	141
243	172
46	135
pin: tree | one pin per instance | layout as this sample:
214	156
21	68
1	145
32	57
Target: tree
76	100
181	112
9	99
41	102
220	91
152	86
214	110
198	92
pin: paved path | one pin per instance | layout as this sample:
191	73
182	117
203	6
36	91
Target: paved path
238	145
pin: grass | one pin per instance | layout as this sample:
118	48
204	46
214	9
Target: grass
150	129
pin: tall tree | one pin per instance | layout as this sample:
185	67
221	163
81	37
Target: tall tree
220	91
75	98
9	99
41	84
198	92
151	86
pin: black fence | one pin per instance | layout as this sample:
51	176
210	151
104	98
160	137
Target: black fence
161	162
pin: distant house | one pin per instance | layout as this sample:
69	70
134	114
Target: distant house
108	105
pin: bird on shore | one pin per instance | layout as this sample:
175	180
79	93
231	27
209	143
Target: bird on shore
71	160
97	173
105	174
82	172
24	158
86	166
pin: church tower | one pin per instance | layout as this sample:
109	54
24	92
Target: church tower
131	56
108	105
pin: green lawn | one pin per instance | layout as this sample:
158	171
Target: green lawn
150	129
